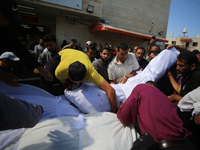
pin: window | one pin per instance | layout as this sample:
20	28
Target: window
195	44
173	42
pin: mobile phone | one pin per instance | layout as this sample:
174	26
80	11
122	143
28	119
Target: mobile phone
153	37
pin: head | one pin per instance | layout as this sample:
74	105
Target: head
111	46
153	84
77	72
130	49
73	42
41	42
135	48
139	53
88	43
91	51
50	42
100	46
105	54
156	49
106	45
198	57
9	59
122	52
186	62
196	51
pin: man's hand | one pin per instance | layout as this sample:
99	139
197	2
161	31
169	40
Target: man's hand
175	97
8	78
152	41
123	80
170	46
44	72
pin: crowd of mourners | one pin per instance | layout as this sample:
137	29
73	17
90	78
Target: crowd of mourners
166	110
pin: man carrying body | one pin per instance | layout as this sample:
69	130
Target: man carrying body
51	44
101	64
50	60
123	66
139	53
186	66
75	67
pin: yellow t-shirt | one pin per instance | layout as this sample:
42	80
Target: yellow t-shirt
69	56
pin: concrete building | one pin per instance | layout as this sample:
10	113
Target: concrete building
103	21
190	43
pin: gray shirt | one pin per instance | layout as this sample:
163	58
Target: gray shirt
101	68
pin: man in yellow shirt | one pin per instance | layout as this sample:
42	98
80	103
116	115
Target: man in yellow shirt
75	66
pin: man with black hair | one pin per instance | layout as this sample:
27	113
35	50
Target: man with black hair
72	44
91	51
101	64
50	60
52	49
75	67
186	66
123	66
139	53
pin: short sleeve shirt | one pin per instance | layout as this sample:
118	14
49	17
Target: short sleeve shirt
117	70
69	56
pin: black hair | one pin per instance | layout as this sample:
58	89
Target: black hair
105	48
122	46
152	83
141	48
77	71
92	47
49	37
188	57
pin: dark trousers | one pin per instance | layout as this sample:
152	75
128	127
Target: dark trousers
54	87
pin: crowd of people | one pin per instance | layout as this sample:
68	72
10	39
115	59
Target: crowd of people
156	110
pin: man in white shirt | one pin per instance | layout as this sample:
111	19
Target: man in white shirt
123	66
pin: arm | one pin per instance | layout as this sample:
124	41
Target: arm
105	86
178	47
175	85
197	119
124	79
150	45
44	72
113	81
175	97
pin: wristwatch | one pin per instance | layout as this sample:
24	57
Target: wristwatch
126	77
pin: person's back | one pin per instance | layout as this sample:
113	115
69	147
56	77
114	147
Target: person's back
155	113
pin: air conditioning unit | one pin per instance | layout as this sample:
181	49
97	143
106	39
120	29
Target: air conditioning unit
103	21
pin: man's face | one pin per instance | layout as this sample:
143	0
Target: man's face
135	48
154	48
139	54
122	55
51	46
151	56
182	68
105	55
91	54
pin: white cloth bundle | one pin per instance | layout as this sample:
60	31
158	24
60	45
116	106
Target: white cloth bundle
191	101
89	98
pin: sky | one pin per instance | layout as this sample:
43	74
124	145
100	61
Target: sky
184	14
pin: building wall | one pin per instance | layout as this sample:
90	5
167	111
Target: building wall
183	43
134	15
